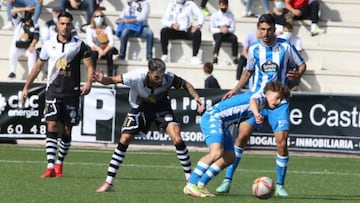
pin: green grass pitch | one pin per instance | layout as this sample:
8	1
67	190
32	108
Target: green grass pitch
156	176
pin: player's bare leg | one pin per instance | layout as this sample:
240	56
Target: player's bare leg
115	163
282	160
182	151
244	133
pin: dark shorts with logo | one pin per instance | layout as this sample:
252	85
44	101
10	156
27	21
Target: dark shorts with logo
140	120
65	110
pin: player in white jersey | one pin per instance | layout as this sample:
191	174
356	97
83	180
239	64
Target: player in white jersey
150	103
270	59
63	54
215	124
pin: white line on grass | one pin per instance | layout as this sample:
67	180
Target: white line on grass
107	151
177	167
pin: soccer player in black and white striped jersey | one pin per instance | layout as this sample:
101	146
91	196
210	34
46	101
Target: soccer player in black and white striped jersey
149	102
64	54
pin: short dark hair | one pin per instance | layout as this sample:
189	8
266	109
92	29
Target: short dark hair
66	15
156	64
226	2
289	26
208	67
266	18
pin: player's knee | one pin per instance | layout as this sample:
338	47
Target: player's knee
229	157
241	140
216	154
52	126
52	135
66	138
125	138
180	144
282	147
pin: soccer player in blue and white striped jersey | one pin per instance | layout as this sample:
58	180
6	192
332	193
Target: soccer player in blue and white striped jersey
215	124
269	59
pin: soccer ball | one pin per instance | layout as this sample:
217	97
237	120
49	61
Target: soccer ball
263	187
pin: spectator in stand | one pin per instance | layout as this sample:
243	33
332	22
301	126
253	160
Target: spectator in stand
37	4
26	36
250	38
222	26
203	8
87	5
296	41
288	34
100	38
134	23
305	9
210	81
248	12
178	24
49	30
280	14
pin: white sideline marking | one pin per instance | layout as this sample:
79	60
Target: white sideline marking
177	167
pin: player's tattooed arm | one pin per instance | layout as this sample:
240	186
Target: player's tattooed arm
191	90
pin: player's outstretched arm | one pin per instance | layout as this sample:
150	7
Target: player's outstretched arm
254	107
191	90
242	82
98	76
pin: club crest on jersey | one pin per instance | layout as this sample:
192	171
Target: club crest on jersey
62	66
151	99
269	66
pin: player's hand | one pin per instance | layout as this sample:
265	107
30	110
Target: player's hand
24	95
200	106
294	74
86	89
229	94
259	118
98	76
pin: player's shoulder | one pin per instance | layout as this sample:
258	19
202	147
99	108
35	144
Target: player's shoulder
51	42
255	44
169	74
283	41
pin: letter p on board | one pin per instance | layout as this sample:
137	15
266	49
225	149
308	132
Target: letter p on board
99	113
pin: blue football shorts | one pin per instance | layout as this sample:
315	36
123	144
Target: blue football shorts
278	118
215	132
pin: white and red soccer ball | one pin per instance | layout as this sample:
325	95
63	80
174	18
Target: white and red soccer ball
263	187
